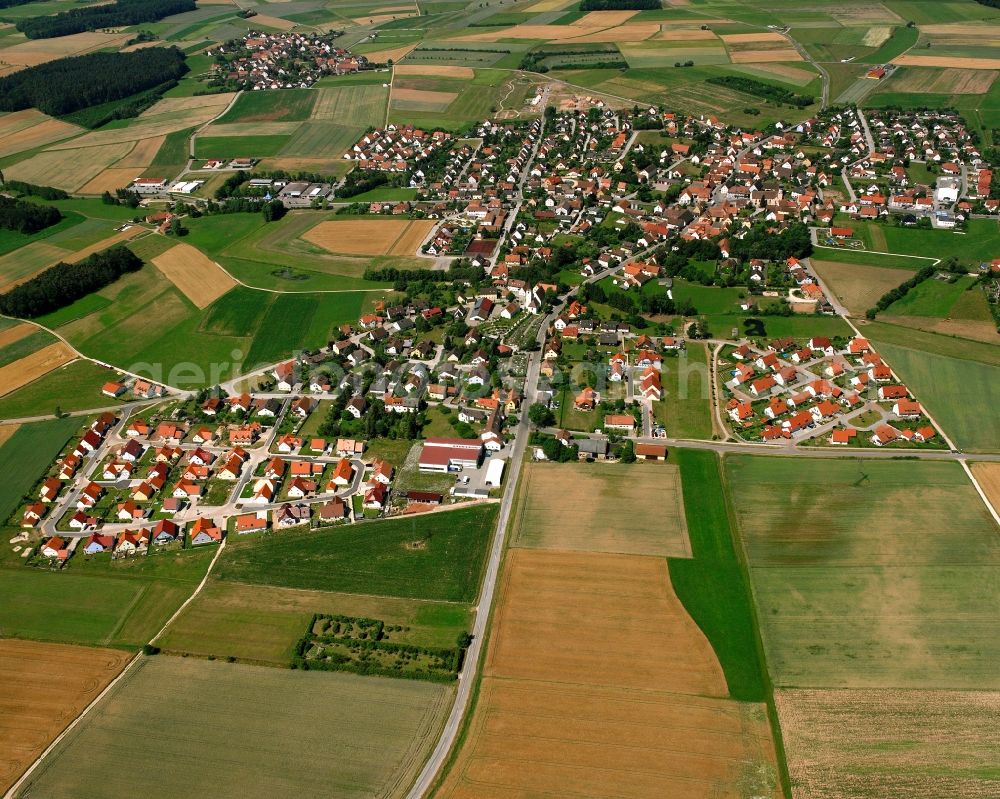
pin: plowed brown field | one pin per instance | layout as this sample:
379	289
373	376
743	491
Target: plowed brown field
44	687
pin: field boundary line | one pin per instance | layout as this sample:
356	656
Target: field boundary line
129	667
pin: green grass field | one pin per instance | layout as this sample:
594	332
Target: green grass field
960	394
26	456
99	603
354	106
883	333
870	573
25	346
434	556
287	105
713	584
73	387
225	147
930	298
974	246
271	730
263	623
686	409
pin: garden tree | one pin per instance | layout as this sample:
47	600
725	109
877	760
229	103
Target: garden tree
628	452
273	211
68	84
63	284
540	415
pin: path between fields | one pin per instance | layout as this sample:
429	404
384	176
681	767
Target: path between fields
121	675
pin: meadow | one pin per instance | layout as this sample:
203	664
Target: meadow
960	394
858	286
433	556
859	585
288	105
686	409
73	387
266	728
98	604
259	623
26	455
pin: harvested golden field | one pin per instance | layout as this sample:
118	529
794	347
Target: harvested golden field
6	431
434	70
988	476
11	334
630	32
743	38
591	495
31	367
945	81
32	715
549	5
199	278
433	101
176	105
250	129
111	179
978	330
143	153
580	697
411	238
28	129
395	53
946	61
39	51
784	72
859	286
764	56
561	613
870	744
604	19
273	22
876	35
103	244
68	169
368	236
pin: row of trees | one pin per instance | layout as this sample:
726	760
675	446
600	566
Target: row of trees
92	18
63	284
900	291
761	89
69	84
620	5
31	190
26	217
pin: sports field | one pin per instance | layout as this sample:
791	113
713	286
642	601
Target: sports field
857	286
199	278
263	623
370	236
269	731
870	574
870	744
597	683
433	556
582	506
32	714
